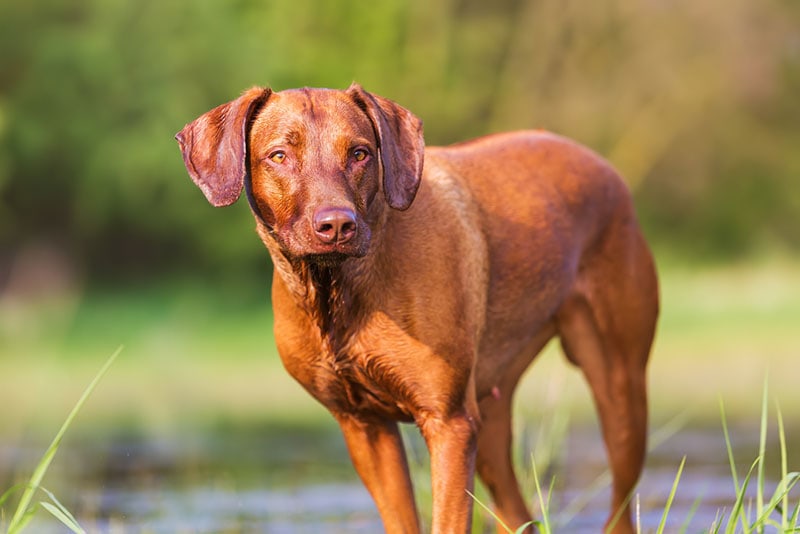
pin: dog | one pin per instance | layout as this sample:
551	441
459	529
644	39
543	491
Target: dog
419	293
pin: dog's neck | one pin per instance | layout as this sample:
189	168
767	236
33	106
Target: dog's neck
336	295
330	297
333	295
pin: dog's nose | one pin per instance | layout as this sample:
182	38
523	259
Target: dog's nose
334	225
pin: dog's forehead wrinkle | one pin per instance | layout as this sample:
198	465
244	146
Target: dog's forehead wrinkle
330	108
324	122
293	137
275	127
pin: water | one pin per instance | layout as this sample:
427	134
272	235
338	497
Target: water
287	479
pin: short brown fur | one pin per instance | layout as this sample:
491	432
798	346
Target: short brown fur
420	293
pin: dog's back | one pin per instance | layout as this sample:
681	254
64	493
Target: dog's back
543	204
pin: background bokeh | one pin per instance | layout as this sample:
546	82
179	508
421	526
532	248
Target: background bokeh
695	102
105	241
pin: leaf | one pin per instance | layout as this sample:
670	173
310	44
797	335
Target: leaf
64	516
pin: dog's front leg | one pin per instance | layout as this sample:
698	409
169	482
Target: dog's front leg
378	455
452	443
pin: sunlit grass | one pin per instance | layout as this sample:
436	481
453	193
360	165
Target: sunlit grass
744	514
778	504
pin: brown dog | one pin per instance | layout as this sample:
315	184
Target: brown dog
411	293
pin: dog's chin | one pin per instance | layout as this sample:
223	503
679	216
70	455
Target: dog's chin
333	257
327	260
300	250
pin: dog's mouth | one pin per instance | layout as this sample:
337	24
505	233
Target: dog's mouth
332	255
308	248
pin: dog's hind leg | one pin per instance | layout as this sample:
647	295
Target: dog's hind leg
606	327
494	460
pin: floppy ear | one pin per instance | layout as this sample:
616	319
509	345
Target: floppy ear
400	142
214	147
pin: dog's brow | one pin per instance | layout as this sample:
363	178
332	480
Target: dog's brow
358	141
292	137
288	137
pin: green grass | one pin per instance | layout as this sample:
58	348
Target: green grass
778	504
780	513
25	508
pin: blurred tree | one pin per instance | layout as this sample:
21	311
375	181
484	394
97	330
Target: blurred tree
696	103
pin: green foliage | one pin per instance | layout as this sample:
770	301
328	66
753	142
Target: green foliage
695	103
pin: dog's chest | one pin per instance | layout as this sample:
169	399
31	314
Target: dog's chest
349	354
351	384
364	374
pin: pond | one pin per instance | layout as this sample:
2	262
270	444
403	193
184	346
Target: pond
295	479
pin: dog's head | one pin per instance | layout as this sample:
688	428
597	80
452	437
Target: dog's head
315	164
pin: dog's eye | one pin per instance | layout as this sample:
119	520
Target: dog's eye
360	154
278	156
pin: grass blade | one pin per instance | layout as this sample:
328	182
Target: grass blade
9	492
784	466
524	527
737	512
65	518
762	448
781	492
603	480
717	522
728	446
490	512
638	524
500	523
666	431
671	498
612	523
38	474
25	518
580	502
545	521
732	463
690	514
61	513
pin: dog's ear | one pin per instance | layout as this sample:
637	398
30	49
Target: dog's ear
214	147
401	145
